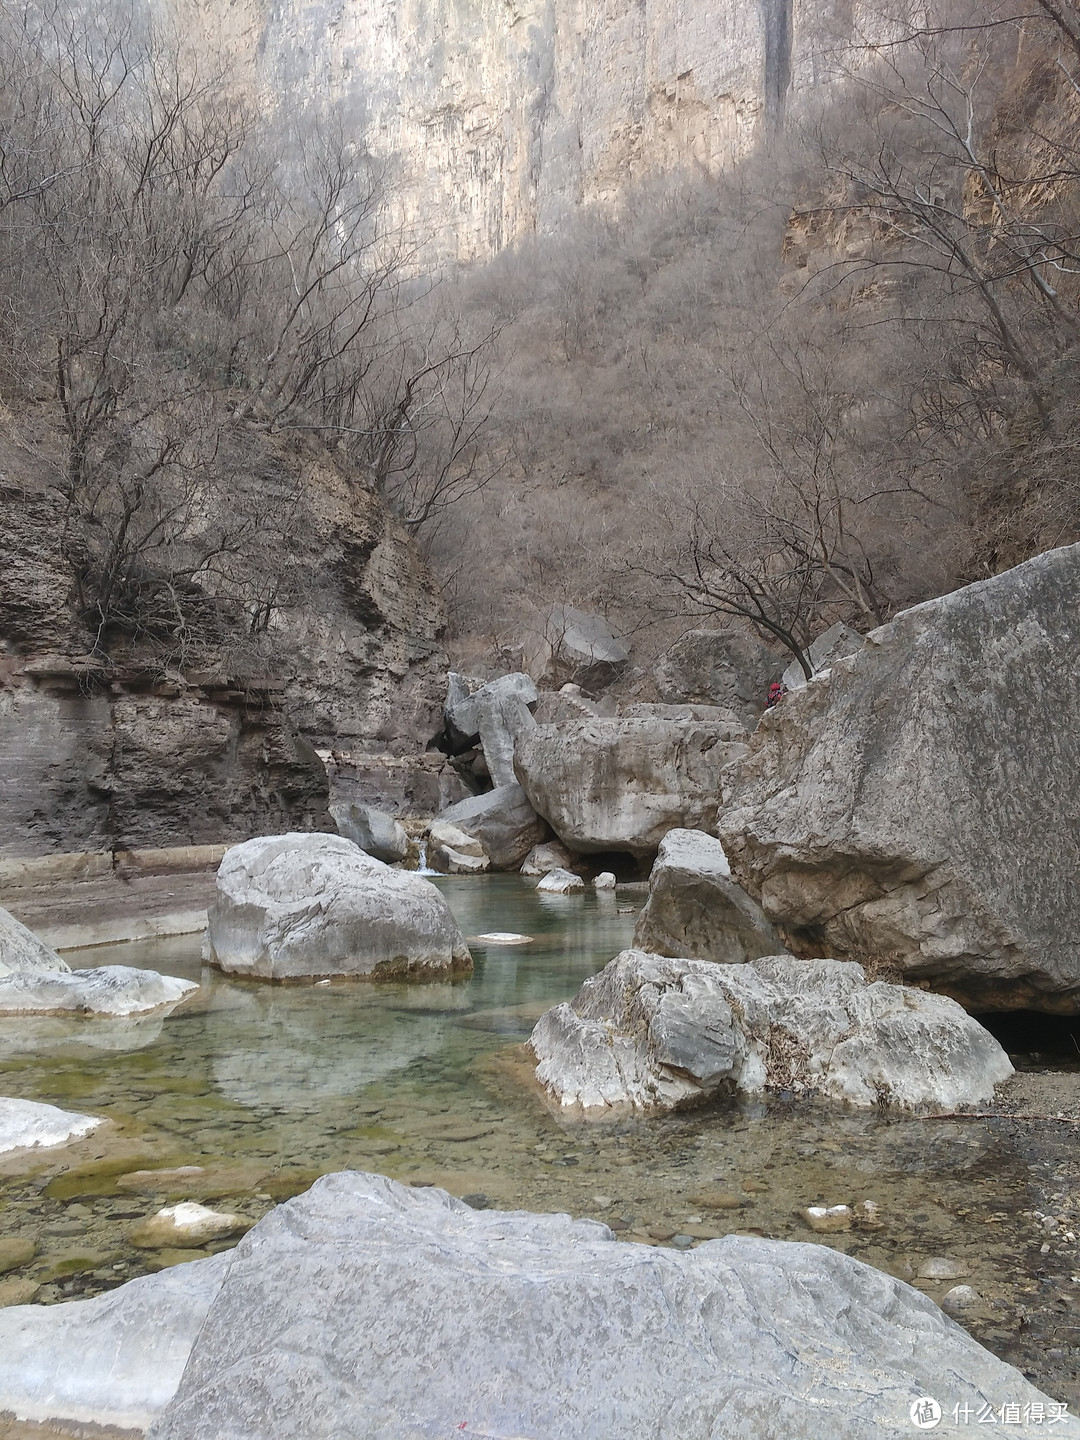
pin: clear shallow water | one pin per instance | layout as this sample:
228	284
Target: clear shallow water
267	1086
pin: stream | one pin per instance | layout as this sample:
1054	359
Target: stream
266	1087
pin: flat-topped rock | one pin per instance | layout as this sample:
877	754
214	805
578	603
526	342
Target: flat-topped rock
516	1324
696	911
116	990
655	1033
29	1125
917	802
304	906
622	784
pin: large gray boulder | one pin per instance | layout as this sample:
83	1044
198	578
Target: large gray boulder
839	640
696	911
917	803
116	990
718	667
495	713
656	1033
115	1360
376	832
503	821
302	906
582	649
368	1309
622	784
21	952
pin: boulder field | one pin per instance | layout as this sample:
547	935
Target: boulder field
659	1034
918	802
305	906
365	1308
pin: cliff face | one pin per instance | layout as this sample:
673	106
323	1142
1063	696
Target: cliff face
498	116
121	753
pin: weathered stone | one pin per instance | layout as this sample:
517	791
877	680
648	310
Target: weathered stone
185	1226
960	1297
443	832
605	881
611	784
17	1291
659	1033
495	713
839	640
916	803
560	882
695	910
726	1339
15	1252
727	722
27	1124
551	856
114	1360
453	862
22	953
373	830
568	703
304	906
502	820
582	649
718	667
106	990
827	1219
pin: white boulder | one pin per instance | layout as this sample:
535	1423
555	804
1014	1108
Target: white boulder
107	990
29	1125
21	952
305	906
502	821
376	832
658	1033
185	1226
560	882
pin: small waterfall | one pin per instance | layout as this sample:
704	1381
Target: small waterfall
422	865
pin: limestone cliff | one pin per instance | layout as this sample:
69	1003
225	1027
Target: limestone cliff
497	117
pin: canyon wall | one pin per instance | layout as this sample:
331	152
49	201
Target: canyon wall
497	117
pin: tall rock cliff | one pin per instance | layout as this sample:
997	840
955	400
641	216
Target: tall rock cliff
497	117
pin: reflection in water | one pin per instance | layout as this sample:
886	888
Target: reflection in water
424	1082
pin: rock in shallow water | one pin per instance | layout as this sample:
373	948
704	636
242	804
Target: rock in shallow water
117	990
560	882
536	1325
308	905
652	1032
26	1124
188	1224
21	952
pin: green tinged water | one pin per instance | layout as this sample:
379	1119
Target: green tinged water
265	1087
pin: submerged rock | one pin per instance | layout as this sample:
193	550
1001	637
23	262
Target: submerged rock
916	802
696	911
502	821
622	784
376	832
27	1124
657	1033
309	905
514	1324
116	990
114	1360
22	953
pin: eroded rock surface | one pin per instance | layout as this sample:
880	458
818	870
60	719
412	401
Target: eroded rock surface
114	1360
622	784
696	911
22	953
118	990
652	1032
718	667
516	1324
376	832
302	906
503	821
28	1125
581	649
918	802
